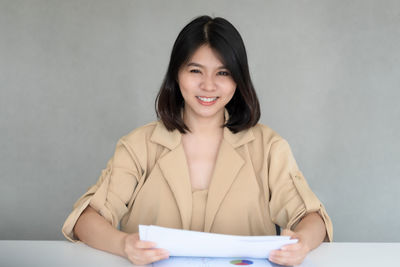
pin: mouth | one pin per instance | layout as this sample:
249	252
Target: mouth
207	101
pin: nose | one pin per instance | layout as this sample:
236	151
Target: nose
208	83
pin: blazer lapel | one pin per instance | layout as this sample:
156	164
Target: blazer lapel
226	168
228	164
175	170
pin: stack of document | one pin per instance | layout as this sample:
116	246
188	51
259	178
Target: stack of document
215	262
198	244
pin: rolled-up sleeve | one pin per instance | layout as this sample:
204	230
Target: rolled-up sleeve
291	198
112	192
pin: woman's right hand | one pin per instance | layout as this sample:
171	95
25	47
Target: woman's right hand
142	252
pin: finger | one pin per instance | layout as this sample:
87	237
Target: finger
281	254
292	247
152	255
146	256
286	254
291	234
140	261
159	256
286	258
154	251
145	244
277	260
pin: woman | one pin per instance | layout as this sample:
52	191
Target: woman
206	165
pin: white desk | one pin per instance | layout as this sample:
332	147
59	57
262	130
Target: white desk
63	253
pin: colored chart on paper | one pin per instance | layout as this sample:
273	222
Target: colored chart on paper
241	262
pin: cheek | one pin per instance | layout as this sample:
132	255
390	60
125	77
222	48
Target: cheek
182	84
186	83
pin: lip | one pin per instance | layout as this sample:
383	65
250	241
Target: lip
207	103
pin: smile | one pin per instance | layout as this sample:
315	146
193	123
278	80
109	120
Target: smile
207	99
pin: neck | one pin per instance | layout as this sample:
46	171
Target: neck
204	125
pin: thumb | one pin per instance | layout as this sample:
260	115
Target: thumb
287	232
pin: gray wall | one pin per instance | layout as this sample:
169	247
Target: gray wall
77	75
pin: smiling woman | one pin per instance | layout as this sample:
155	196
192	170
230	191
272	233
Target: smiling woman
205	165
219	46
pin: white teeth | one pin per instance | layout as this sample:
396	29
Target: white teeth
206	99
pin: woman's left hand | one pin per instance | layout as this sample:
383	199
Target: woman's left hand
292	254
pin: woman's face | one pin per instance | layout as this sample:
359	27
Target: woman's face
206	85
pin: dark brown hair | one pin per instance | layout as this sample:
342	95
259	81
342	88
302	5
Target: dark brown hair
223	38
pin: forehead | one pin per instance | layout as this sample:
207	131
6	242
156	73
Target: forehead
205	55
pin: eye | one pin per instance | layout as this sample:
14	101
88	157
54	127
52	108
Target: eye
195	71
224	73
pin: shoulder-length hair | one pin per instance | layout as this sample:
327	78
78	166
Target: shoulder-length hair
223	38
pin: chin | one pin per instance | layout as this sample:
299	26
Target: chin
209	113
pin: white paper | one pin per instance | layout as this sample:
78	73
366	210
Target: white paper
210	262
198	244
220	262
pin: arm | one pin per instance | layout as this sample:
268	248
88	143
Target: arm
292	199
108	200
310	232
94	230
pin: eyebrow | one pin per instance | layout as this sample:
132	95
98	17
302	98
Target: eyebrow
201	66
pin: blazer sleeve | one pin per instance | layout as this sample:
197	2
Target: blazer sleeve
290	196
112	192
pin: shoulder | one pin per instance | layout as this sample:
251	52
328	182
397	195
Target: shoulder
153	134
268	143
138	144
138	140
140	135
265	135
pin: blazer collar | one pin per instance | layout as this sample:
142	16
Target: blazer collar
171	139
175	170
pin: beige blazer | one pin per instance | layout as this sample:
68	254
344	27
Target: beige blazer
255	184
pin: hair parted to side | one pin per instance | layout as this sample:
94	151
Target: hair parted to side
223	38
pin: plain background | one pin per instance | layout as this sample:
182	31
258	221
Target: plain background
75	76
